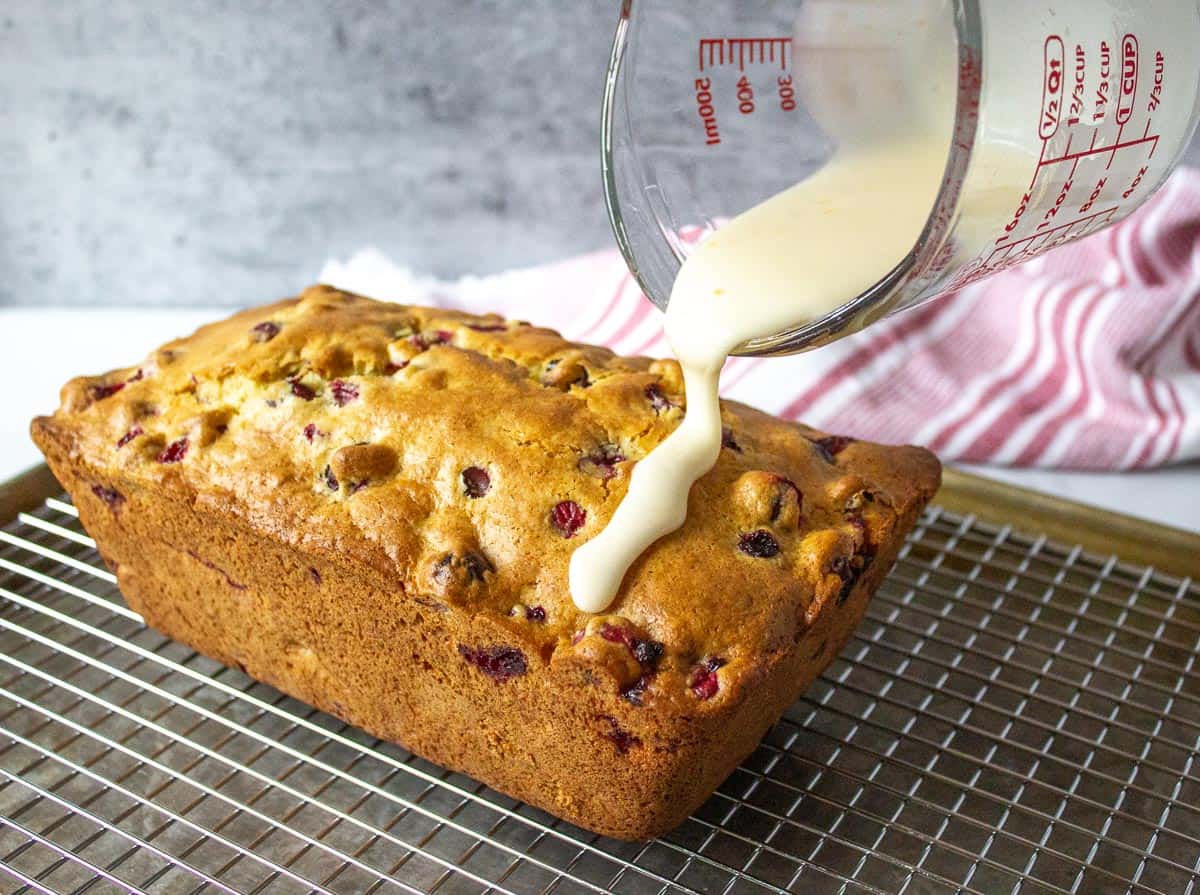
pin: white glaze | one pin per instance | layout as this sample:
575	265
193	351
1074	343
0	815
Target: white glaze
795	257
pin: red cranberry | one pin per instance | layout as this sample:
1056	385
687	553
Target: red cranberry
476	481
129	436
110	496
850	569
704	682
728	441
429	339
658	400
477	565
602	463
648	652
760	544
302	391
634	693
832	445
311	432
137	377
394	368
782	486
616	634
535	614
100	392
498	662
841	567
330	479
474	564
343	392
564	375
705	685
568	517
265	331
621	738
174	452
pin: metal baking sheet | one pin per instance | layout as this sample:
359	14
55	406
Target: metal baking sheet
1015	715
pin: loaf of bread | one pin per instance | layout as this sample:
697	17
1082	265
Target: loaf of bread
372	507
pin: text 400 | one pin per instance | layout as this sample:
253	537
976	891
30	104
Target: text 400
745	94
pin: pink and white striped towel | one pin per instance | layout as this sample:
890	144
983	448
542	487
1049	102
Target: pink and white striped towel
1088	357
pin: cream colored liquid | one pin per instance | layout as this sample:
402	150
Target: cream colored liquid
794	258
880	78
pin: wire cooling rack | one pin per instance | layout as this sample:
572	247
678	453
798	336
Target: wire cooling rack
1013	716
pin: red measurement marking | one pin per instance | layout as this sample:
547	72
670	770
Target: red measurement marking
1017	215
1156	89
1058	204
1095	194
1116	145
1099	150
1038	168
1022	250
745	95
1102	89
787	94
1052	82
1075	105
1137	179
714	51
714	47
1129	78
704	108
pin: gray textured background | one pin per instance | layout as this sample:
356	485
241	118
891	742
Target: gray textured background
187	151
198	151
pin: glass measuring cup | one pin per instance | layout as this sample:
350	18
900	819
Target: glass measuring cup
1061	119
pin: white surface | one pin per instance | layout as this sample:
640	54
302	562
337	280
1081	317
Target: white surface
42	349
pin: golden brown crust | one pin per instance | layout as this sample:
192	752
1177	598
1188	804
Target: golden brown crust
369	505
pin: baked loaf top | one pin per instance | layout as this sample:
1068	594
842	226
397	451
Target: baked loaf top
463	458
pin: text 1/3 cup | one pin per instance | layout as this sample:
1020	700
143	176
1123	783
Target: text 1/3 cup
1061	118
